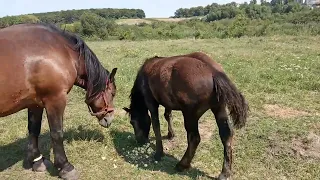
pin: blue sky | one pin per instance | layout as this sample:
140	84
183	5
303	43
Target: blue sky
152	8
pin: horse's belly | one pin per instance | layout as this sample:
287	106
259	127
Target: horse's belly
166	99
6	110
170	104
12	105
15	97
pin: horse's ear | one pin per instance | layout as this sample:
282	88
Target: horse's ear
126	109
113	73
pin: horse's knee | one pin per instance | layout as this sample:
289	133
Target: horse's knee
56	134
225	129
197	139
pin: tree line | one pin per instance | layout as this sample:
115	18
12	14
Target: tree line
71	16
94	27
226	21
252	10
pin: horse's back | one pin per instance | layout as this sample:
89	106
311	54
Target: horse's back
206	59
35	52
179	80
33	62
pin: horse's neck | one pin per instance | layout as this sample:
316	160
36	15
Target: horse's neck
81	79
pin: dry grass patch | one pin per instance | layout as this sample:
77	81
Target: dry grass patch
304	147
206	129
133	21
283	112
308	146
171	19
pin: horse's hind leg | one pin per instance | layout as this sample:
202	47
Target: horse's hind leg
34	158
55	107
193	137
226	136
168	117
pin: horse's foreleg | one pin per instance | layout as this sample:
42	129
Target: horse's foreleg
156	129
226	136
55	107
153	107
193	137
34	157
168	117
154	111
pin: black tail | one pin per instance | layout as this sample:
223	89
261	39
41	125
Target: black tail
227	92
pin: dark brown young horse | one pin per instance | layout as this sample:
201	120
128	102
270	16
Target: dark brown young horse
39	64
191	83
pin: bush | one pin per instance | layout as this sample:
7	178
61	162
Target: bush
93	24
238	27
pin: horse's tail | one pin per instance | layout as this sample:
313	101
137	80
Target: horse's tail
227	92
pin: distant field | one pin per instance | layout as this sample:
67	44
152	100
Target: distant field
148	20
279	76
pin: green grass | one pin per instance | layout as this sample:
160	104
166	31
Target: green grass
283	71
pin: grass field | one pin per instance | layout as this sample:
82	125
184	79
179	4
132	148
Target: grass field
279	76
150	20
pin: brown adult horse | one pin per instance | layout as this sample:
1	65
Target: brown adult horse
39	64
191	83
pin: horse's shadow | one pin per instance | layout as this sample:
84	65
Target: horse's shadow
142	156
12	153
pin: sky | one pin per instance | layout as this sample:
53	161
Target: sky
152	8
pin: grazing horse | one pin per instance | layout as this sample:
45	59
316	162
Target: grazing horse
191	83
39	64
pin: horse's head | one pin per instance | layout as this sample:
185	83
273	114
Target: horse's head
141	123
102	105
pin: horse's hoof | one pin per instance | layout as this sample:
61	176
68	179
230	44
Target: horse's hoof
27	164
41	166
181	167
223	177
158	156
71	175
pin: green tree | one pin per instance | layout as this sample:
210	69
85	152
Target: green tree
238	27
29	19
93	24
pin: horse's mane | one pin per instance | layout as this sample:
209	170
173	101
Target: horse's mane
96	73
154	57
136	97
137	102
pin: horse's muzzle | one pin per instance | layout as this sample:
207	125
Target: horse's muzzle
106	121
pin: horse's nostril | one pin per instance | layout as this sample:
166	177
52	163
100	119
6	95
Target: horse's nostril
110	110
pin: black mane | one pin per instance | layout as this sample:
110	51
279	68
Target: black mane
96	73
154	57
136	96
